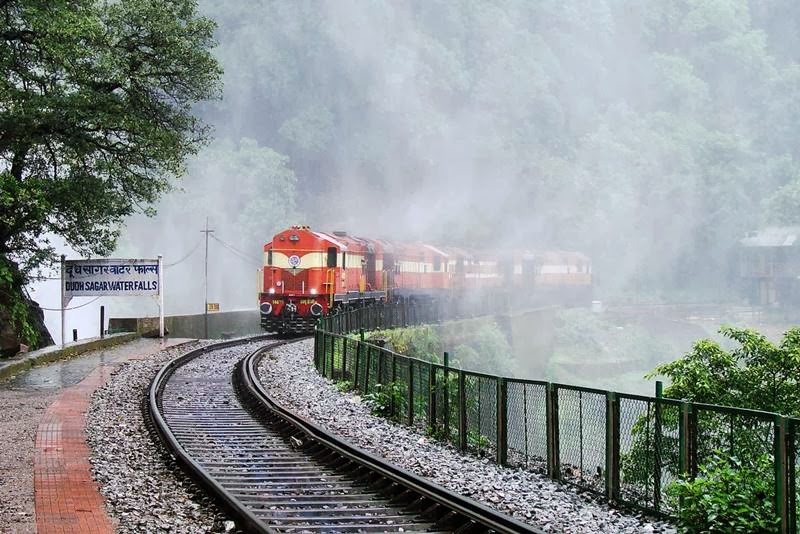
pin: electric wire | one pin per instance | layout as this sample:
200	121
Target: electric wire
72	308
237	252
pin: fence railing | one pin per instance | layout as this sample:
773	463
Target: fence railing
628	448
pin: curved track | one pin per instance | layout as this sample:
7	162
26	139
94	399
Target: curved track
275	472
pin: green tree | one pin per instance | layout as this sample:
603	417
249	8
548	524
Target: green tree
731	447
95	119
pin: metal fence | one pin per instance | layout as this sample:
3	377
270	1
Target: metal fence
628	448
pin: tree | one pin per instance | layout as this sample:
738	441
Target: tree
95	120
733	449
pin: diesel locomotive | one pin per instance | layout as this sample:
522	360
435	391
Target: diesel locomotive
308	274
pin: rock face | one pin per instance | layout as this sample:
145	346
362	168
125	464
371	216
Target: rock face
11	338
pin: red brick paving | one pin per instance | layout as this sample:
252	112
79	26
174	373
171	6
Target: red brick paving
67	499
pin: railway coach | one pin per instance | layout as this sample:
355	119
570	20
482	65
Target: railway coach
307	274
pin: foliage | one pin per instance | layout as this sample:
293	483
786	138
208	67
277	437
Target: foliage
655	174
477	346
757	374
726	497
383	397
344	386
95	117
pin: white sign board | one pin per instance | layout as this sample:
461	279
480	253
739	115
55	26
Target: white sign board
112	277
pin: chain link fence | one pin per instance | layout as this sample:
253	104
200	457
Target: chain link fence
628	448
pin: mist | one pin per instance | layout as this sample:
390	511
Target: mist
649	136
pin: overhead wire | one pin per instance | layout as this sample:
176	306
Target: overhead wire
237	252
72	308
185	256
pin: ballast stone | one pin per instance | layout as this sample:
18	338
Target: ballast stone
293	381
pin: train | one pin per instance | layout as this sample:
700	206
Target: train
307	274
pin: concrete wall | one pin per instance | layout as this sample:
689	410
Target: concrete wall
220	324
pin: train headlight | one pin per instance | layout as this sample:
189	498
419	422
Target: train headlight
272	291
316	309
313	290
266	308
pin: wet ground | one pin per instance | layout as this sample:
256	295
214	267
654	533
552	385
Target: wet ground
65	373
23	400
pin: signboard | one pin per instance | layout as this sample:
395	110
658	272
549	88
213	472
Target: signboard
112	277
212	306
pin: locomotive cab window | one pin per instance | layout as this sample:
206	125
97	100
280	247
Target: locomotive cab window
269	257
331	256
437	263
344	260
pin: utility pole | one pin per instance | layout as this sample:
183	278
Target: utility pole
205	309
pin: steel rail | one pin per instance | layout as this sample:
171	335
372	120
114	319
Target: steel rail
453	511
244	516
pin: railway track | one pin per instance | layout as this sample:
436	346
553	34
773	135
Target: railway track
276	472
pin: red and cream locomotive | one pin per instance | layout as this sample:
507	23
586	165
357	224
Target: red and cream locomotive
307	274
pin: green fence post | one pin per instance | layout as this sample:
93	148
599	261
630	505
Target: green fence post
324	361
446	399
657	447
392	404
357	365
462	410
432	398
367	367
333	356
781	474
684	438
344	358
612	446
502	421
381	363
551	415
410	408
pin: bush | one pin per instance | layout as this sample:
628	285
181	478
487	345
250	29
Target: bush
381	400
726	497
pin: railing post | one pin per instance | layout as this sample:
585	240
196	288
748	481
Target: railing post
462	410
432	398
657	447
324	353
684	438
781	474
410	408
551	415
392	405
367	367
344	358
357	364
612	446
502	421
333	357
446	399
381	363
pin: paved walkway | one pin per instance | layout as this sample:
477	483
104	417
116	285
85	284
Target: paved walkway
67	498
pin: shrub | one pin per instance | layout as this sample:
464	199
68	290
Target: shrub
726	497
383	397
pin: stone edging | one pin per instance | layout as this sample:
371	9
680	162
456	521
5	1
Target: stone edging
23	362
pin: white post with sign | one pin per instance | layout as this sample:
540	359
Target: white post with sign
112	277
161	296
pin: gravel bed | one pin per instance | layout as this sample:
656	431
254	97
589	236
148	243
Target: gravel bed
290	377
142	492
